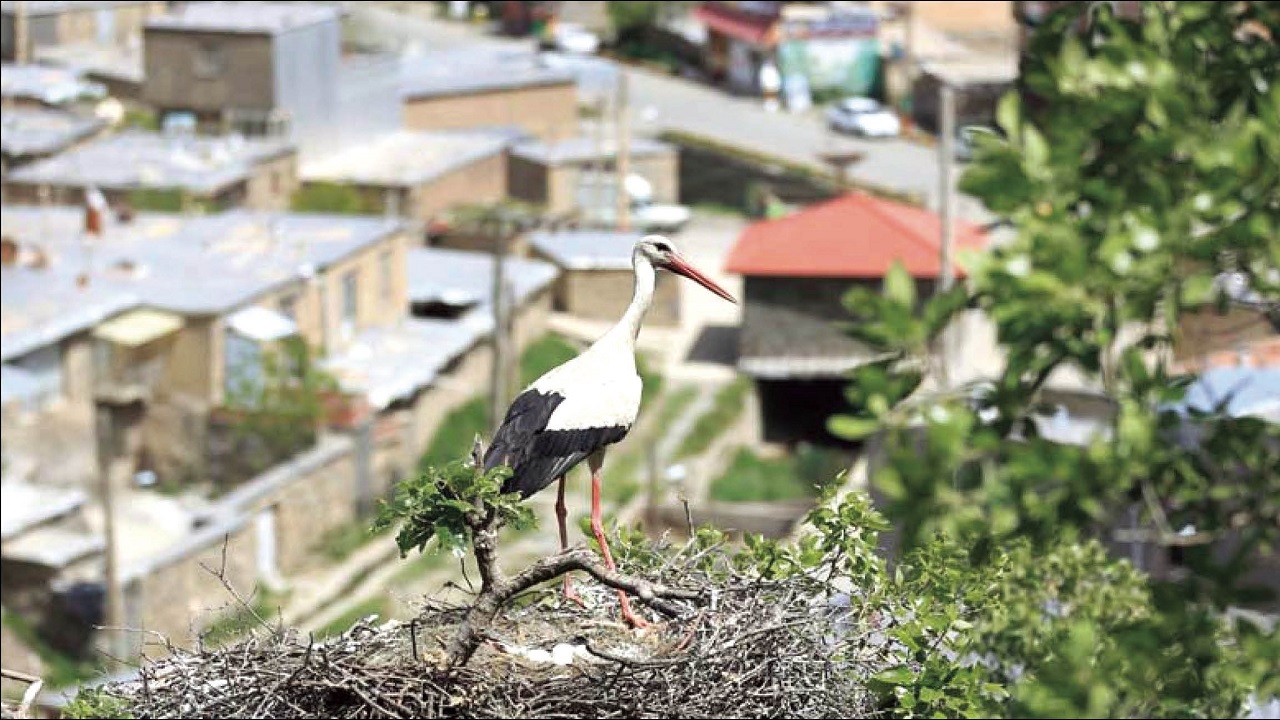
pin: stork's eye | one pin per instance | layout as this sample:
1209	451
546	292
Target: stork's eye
662	247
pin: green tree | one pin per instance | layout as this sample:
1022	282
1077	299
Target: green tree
1148	165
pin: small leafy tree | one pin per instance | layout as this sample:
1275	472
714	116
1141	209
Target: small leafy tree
1149	166
278	402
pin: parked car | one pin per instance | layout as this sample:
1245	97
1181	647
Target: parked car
863	116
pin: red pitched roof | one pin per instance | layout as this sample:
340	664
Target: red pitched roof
855	236
738	24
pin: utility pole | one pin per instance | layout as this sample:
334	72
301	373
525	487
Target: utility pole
623	161
599	196
909	48
946	216
107	441
498	370
946	193
20	34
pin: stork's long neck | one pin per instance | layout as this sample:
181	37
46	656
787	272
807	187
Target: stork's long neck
628	328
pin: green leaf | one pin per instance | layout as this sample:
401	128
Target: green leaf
1009	114
852	428
899	286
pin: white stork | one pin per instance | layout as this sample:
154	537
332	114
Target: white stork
575	411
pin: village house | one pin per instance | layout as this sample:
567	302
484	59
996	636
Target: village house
31	134
466	89
796	270
408	377
254	68
577	173
596	276
54	22
810	47
419	175
164	172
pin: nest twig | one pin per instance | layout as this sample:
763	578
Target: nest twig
787	648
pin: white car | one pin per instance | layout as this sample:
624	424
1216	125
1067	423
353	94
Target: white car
574	38
863	116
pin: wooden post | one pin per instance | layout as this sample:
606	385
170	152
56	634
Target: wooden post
946	217
498	371
108	439
946	194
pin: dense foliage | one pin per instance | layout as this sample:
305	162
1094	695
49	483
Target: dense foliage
1146	167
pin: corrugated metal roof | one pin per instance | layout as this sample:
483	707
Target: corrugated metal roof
191	266
52	7
34	131
460	72
587	249
855	235
390	364
49	85
245	17
406	157
459	277
581	149
129	160
24	505
115	62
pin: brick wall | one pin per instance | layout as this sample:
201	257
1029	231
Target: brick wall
548	112
605	294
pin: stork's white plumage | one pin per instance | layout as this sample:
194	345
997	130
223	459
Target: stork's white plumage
575	411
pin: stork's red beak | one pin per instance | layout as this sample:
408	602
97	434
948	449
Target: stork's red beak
677	264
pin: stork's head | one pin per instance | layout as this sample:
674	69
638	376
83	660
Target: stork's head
661	253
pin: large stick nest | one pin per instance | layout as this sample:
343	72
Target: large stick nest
753	648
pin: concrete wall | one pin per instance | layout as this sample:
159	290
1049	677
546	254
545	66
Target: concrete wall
548	112
605	294
179	598
484	181
272	183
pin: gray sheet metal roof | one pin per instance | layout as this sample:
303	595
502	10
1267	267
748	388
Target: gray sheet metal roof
405	157
33	131
461	277
26	505
587	249
52	7
581	149
197	266
244	17
49	85
150	160
393	363
92	59
459	72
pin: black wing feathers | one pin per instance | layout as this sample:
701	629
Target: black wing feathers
538	456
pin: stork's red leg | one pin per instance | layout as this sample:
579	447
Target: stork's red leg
561	512
597	527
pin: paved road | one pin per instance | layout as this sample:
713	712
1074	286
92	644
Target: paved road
661	101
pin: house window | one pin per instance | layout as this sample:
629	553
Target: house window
384	273
350	303
242	368
289	306
209	61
